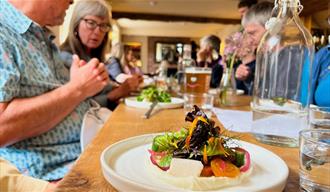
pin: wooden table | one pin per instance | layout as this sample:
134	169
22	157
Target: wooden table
86	174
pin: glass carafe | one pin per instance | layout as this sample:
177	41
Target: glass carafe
282	77
185	62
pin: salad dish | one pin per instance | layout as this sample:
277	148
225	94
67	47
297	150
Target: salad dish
151	95
200	157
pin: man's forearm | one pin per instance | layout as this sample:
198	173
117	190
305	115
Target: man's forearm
117	93
28	117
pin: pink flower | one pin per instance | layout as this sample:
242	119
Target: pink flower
238	45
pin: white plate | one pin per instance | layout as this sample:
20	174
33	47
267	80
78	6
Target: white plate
175	103
123	166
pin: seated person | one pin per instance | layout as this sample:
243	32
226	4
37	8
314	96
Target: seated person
130	63
208	56
114	64
321	78
244	6
254	28
88	38
42	103
12	180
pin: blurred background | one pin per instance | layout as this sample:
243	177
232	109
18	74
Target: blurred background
148	26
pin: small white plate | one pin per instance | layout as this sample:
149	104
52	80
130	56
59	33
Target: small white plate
175	103
124	167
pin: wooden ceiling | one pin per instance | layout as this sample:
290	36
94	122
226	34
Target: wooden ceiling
312	6
200	11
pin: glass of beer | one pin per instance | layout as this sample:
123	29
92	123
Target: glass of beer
197	80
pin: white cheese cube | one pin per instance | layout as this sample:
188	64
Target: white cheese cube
185	167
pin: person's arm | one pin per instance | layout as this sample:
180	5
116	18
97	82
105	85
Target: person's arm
115	70
131	84
12	180
23	118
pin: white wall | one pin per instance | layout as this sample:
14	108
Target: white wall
64	29
176	29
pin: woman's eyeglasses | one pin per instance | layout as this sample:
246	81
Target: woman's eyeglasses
91	24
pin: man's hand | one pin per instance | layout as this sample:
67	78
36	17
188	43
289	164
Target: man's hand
88	78
243	71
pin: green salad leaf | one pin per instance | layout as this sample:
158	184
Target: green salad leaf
152	94
165	161
215	148
168	141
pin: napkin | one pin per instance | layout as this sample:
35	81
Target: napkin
233	120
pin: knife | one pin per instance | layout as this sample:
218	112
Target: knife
152	106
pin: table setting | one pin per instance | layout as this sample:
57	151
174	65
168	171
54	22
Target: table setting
119	154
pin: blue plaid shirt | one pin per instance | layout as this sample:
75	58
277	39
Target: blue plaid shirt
30	65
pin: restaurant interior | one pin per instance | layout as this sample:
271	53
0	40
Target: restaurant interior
144	23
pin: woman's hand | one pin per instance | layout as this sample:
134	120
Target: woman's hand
204	55
132	84
129	85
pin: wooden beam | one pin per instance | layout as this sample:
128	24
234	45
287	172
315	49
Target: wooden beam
168	18
313	6
308	22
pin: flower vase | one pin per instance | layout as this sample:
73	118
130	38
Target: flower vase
227	88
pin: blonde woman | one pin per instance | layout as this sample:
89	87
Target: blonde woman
115	64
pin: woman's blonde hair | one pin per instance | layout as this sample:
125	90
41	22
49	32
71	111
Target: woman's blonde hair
73	43
117	50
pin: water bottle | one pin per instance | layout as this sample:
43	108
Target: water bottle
185	62
281	92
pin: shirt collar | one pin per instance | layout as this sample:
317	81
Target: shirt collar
14	18
49	34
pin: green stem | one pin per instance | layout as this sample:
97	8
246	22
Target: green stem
231	65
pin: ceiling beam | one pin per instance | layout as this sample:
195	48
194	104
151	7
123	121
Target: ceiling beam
172	18
313	6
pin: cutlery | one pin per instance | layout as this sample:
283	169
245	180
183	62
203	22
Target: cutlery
152	106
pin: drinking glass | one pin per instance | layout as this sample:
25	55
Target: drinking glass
314	160
319	117
203	101
197	80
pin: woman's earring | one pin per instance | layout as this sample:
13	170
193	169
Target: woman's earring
75	33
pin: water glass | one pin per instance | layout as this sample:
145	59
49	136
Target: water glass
319	117
203	101
314	160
